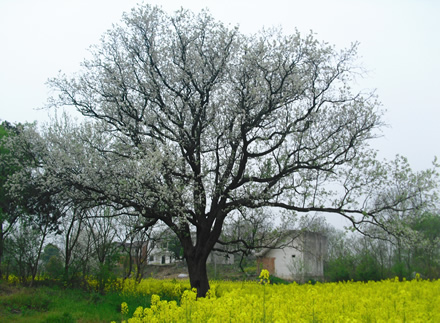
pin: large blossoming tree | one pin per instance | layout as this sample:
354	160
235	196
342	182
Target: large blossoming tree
188	121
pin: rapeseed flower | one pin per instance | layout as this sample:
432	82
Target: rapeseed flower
264	276
385	301
124	308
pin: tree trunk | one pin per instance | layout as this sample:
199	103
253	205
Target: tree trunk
127	272
40	248
197	255
198	275
1	249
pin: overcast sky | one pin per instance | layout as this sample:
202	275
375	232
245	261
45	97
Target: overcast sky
399	46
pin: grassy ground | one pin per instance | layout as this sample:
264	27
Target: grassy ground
55	304
52	303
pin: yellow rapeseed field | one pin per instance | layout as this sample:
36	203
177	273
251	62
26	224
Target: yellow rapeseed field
386	301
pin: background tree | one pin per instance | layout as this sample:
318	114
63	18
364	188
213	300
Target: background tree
22	195
75	243
366	257
138	243
174	245
426	251
9	209
25	248
251	230
102	230
51	261
189	121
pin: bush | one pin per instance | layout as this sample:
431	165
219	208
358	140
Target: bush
25	300
367	269
338	269
277	280
60	318
54	267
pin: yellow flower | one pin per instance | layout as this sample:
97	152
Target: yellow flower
264	276
384	301
138	313
124	308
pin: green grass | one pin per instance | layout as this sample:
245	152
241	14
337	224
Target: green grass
55	304
49	302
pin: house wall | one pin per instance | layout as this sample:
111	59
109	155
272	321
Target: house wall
160	259
300	260
283	263
220	258
160	256
267	263
315	248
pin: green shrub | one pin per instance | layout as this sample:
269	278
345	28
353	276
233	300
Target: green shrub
250	270
339	269
54	267
277	280
311	281
60	318
24	300
367	269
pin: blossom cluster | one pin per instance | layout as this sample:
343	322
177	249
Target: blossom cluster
385	301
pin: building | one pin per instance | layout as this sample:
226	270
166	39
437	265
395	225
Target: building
296	256
220	258
159	254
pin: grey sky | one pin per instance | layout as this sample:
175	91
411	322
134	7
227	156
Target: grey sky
399	46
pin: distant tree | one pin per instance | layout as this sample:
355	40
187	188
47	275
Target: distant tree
51	261
75	241
424	251
54	267
366	257
9	209
138	243
21	194
49	251
102	231
415	193
174	245
249	231
190	121
25	249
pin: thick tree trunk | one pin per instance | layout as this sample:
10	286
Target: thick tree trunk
198	275
196	253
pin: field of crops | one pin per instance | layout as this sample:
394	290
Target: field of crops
385	301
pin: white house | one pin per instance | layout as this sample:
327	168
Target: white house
220	258
160	255
297	256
